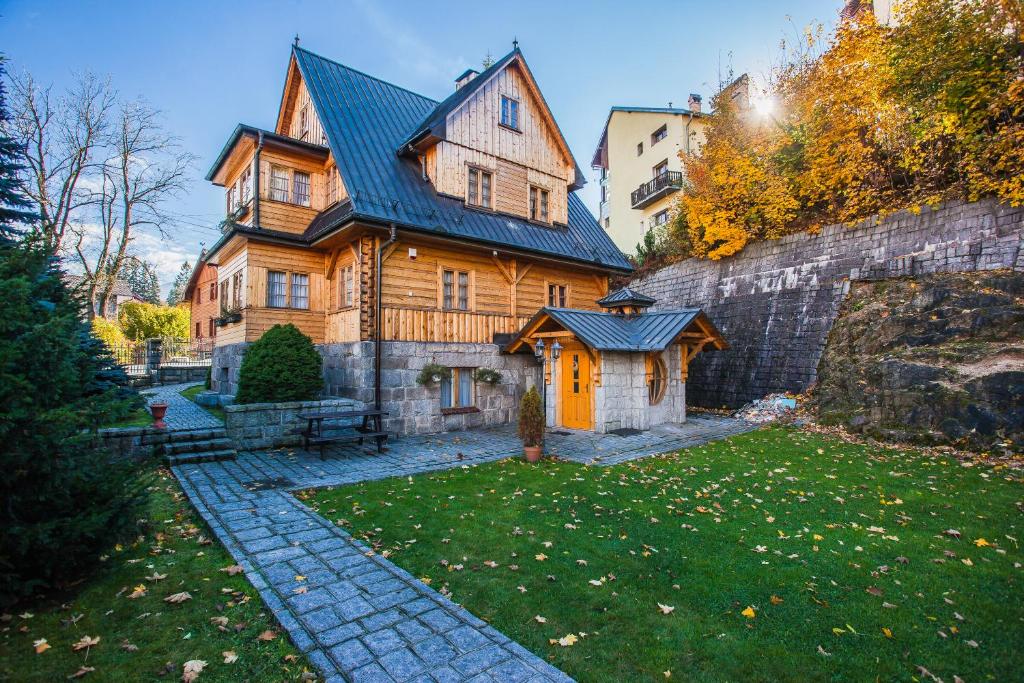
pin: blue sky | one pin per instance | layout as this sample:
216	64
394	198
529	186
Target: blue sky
210	65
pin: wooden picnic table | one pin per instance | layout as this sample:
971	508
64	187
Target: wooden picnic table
317	434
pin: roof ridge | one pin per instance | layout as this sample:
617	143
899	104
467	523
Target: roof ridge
364	74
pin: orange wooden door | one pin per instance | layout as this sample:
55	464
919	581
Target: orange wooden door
575	373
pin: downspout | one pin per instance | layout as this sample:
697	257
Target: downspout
256	183
689	120
392	238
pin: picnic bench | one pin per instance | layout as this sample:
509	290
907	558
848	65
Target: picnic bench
316	433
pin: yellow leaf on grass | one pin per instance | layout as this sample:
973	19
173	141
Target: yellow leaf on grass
666	609
177	598
267	635
84	642
564	641
887	632
192	669
229	656
41	646
82	670
137	592
233	569
776	600
981	542
749	613
540	557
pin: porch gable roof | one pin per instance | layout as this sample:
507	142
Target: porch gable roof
603	331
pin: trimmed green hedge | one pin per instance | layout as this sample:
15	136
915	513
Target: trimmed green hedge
282	365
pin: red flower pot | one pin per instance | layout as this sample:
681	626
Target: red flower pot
158	410
533	453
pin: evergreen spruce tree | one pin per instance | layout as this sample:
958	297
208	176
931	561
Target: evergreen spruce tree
14	206
64	499
177	292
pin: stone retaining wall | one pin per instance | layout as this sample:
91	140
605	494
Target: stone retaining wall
256	426
132	442
775	301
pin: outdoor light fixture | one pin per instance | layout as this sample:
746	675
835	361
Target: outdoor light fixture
556	350
538	350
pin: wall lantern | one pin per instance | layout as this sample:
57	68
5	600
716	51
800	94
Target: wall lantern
556	350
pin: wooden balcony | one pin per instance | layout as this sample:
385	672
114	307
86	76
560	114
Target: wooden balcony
409	324
653	190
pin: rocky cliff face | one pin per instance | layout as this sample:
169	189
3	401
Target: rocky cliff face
937	359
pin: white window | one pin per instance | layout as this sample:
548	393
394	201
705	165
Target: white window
661	168
660	218
300	183
347	286
478	191
659	135
278	184
300	291
245	185
277	293
557	296
509	112
538	204
458	391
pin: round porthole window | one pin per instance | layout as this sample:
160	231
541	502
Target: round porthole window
659	380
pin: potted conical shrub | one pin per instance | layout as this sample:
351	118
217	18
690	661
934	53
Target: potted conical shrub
531	425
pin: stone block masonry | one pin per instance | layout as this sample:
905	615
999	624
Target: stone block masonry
776	301
256	426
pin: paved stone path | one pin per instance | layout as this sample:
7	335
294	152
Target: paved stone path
361	617
181	412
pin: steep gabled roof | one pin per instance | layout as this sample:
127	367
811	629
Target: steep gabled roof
367	120
609	332
435	123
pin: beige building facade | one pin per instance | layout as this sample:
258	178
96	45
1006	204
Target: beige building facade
640	167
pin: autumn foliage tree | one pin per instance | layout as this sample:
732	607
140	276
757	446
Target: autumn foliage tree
881	118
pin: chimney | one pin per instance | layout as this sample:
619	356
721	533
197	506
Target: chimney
694	102
466	77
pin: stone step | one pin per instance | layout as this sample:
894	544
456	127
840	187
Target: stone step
206	456
181	436
180	447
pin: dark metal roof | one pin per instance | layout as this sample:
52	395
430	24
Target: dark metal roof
367	119
626	297
609	332
242	129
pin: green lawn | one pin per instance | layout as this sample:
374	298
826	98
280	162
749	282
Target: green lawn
142	637
190	394
140	417
778	555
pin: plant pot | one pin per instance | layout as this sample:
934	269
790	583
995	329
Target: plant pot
158	410
532	453
436	379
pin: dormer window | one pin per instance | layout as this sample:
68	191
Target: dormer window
509	112
538	204
478	190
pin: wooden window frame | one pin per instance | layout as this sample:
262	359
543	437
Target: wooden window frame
657	387
289	284
308	187
456	398
512	107
333	185
223	292
476	189
213	291
548	284
291	291
270	290
212	324
470	288
237	283
343	288
245	186
304	121
271	189
539	211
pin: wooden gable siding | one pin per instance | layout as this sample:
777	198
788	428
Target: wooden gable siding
287	216
229	265
202	307
476	125
315	133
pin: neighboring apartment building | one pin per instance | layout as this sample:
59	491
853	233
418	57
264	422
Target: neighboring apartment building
398	231
639	161
201	293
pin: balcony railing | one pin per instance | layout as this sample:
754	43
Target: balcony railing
663	184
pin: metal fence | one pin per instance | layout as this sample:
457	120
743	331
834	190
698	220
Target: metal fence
143	357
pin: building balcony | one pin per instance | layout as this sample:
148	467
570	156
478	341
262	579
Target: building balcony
653	190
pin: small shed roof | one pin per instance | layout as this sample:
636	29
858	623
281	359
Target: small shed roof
610	332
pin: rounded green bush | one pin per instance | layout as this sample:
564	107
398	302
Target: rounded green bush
282	365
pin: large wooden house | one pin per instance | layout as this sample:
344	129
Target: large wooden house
397	231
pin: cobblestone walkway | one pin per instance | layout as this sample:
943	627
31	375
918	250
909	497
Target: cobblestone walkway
361	617
181	412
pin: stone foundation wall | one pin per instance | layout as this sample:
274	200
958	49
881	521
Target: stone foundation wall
255	426
414	409
776	301
622	400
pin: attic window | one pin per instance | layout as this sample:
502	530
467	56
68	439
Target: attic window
304	123
538	204
478	190
509	112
